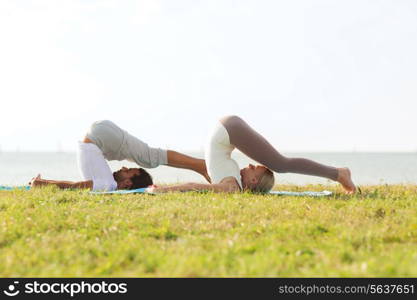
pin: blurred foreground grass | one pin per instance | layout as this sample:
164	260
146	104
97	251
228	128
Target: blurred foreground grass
51	233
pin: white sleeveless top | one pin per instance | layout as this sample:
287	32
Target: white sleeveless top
218	156
94	167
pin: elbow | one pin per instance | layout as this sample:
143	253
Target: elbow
233	189
192	186
88	184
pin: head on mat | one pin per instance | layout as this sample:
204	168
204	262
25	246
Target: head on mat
258	179
132	178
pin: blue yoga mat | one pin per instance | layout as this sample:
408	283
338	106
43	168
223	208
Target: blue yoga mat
281	193
143	191
27	187
136	191
307	193
9	188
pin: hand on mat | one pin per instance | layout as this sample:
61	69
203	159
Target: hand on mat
207	177
151	189
34	182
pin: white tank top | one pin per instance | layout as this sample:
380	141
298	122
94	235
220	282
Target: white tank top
94	167
218	156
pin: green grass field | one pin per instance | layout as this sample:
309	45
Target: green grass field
51	233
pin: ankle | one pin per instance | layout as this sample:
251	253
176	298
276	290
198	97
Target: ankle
338	174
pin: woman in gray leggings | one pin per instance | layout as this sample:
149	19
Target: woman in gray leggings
232	132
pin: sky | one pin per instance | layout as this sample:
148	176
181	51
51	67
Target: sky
309	75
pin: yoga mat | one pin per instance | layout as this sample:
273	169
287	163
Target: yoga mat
308	193
136	191
9	188
142	190
27	187
281	193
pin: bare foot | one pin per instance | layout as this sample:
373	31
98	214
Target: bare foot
344	178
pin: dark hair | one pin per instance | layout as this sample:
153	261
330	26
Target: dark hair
142	180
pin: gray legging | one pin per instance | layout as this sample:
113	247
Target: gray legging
251	143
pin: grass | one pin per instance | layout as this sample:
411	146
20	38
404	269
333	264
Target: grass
52	233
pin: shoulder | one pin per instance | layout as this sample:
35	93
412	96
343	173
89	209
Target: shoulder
104	185
89	148
231	182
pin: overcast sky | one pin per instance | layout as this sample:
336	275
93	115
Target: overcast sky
309	75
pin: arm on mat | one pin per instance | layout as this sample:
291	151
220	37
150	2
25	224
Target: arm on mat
227	185
39	182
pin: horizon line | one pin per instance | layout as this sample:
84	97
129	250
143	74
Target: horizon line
201	151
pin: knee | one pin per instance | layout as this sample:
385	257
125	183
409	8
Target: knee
96	124
231	120
102	122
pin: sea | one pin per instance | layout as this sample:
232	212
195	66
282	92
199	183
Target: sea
17	168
